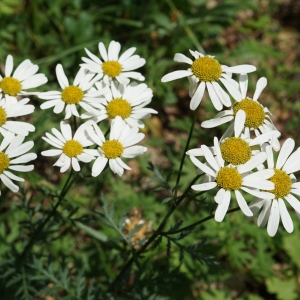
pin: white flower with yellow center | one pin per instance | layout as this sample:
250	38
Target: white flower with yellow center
227	179
207	71
120	144
257	118
74	95
127	102
286	186
12	157
114	67
71	149
22	79
18	109
236	150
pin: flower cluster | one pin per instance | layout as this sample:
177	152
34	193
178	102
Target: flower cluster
13	86
101	90
242	160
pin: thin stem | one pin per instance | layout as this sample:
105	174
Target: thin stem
198	222
184	152
164	221
63	192
75	123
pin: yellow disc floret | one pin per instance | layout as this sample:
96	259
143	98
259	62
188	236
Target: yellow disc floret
72	148
283	183
112	68
4	162
206	69
118	107
112	149
255	114
10	86
3	116
235	151
229	179
72	94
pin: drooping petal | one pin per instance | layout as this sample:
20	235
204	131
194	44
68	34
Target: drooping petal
223	207
274	218
285	217
197	97
243	204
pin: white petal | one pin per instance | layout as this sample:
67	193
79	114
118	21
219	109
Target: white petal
14	188
204	186
294	202
231	89
9	64
218	153
258	194
243	204
214	97
216	122
243	82
239	122
210	158
265	213
223	207
182	58
197	97
260	85
263	174
99	165
75	164
256	204
241	69
285	152
259	184
202	166
61	77
285	217
273	219
219	196
126	54
52	152
253	162
176	75
66	130
102	51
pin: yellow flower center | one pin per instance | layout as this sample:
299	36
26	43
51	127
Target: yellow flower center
10	86
206	69
118	107
229	179
4	162
255	114
72	148
112	68
3	116
112	149
235	151
72	94
283	183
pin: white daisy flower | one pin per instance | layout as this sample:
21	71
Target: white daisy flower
71	149
236	150
126	101
18	109
206	70
120	144
227	179
23	78
256	118
72	95
286	186
114	67
12	157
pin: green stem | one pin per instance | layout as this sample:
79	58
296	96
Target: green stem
198	222
63	192
185	150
